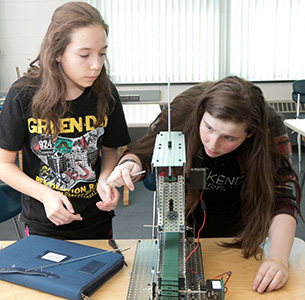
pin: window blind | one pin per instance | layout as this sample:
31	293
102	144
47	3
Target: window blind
265	39
198	40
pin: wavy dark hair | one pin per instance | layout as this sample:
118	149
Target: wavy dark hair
45	74
236	100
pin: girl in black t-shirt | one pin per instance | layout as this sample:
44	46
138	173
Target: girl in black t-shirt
66	117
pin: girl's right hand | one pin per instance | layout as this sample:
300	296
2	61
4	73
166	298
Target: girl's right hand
121	175
59	209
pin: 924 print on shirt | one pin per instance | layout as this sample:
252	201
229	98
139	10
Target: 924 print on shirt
66	162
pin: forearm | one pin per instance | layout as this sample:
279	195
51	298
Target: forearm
281	236
142	151
108	194
17	179
110	157
57	207
132	157
273	272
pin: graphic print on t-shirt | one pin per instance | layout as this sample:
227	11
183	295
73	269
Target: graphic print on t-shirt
223	182
223	173
66	162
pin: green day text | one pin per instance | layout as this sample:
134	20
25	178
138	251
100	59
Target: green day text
67	125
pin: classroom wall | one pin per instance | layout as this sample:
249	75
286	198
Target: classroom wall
23	24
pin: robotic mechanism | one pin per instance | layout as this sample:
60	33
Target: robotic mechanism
164	267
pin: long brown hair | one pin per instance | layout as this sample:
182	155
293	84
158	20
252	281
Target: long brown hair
45	74
236	100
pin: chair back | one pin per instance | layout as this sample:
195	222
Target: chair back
298	87
298	95
150	182
10	202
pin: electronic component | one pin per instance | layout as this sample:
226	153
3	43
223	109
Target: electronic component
197	178
215	289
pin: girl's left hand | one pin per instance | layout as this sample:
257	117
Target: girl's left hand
109	195
272	275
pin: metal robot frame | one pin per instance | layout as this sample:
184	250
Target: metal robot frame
164	267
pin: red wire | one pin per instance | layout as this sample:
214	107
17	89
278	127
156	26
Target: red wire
229	273
198	234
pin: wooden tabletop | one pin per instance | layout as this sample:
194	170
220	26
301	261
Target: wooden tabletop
216	260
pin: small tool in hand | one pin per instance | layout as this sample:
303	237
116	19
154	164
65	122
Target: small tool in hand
114	246
138	173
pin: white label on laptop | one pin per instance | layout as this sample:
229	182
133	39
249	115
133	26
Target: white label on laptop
54	257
